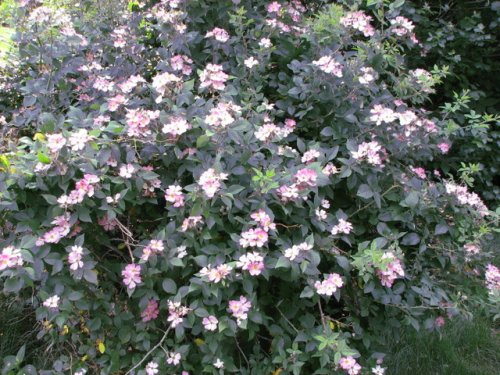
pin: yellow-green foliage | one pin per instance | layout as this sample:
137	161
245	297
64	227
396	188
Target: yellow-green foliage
326	25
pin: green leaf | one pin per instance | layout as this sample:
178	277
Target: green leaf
43	158
169	286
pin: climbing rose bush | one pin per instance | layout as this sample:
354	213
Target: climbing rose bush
217	187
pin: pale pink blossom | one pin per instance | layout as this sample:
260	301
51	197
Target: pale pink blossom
174	195
10	258
380	114
359	21
288	193
176	127
369	151
222	115
216	274
251	262
210	323
264	220
444	147
239	308
75	258
305	178
218	34
273	7
330	169
55	142
213	77
176	312
52	302
153	247
492	276
78	140
151	311
350	365
253	238
181	63
174	358
328	65
126	171
329	285
265	43
251	62
152	368
419	171
191	222
394	270
293	252
210	181
131	275
310	156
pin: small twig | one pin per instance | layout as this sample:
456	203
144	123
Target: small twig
289	322
242	352
151	351
322	315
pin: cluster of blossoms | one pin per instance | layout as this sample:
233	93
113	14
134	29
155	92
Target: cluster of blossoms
368	75
52	302
77	140
151	311
210	323
191	222
251	62
61	229
181	63
107	223
210	181
75	258
162	82
330	169
138	121
369	151
239	308
328	65
104	84
216	274
350	365
116	101
310	156
264	220
402	26
218	34
419	171
305	178
380	114
213	77
254	237
287	193
271	132
293	9
293	252
222	115
330	285
83	188
131	275
10	257
126	171
174	195
55	142
394	270
492	276
359	21
444	147
176	312
120	36
343	226
131	83
251	262
176	127
465	197
154	247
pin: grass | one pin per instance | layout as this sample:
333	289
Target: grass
462	348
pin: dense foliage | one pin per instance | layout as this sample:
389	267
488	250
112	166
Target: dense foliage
235	186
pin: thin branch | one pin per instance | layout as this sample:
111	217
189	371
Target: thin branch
151	351
242	352
323	321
